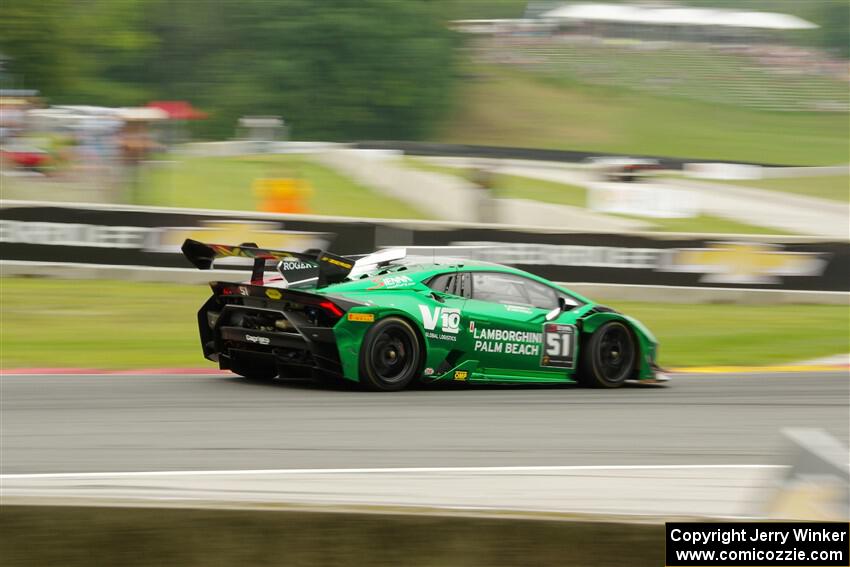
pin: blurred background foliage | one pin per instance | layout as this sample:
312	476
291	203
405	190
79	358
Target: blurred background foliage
340	70
367	69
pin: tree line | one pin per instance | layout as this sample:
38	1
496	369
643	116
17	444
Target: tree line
334	69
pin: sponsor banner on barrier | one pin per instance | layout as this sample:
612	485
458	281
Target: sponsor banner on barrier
152	237
714	262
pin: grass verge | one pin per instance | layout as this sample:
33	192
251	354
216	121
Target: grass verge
832	187
723	334
226	183
123	325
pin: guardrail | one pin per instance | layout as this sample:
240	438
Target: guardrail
151	236
245	147
506	152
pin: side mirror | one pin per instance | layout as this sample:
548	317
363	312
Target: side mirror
438	297
562	306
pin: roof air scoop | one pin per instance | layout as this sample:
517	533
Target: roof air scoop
376	260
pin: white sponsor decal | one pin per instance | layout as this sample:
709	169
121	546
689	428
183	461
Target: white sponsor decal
448	318
559	341
507	342
506	335
392	282
296	266
256	339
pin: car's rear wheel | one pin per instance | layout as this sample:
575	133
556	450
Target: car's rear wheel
390	356
608	356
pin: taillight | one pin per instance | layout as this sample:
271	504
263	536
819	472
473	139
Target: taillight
331	308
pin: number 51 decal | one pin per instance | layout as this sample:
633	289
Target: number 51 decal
559	343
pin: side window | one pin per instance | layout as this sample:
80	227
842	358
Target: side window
464	284
444	283
512	289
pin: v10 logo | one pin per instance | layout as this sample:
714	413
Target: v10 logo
449	319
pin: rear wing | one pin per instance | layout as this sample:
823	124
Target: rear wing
294	266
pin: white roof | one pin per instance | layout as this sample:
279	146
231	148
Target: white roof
141	113
123	113
678	16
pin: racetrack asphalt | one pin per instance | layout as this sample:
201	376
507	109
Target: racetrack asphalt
53	424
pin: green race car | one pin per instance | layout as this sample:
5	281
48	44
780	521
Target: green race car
388	319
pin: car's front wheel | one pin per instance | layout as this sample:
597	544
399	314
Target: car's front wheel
608	356
390	356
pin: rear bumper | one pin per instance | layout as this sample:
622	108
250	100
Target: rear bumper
300	350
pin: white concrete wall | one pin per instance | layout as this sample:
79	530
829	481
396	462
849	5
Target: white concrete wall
789	212
443	196
563	217
734	171
450	198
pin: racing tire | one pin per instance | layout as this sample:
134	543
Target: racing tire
390	355
254	372
608	356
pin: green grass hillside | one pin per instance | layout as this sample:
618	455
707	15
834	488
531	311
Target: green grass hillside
227	183
512	107
833	187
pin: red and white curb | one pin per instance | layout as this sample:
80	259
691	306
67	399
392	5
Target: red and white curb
50	371
101	371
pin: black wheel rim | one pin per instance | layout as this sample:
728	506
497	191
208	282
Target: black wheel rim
615	354
392	355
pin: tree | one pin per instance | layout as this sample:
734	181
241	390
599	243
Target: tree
834	18
35	44
334	70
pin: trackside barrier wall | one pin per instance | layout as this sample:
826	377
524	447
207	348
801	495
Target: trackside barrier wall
151	237
505	152
444	197
244	147
452	199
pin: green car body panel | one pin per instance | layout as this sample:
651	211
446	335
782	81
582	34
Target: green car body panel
483	349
